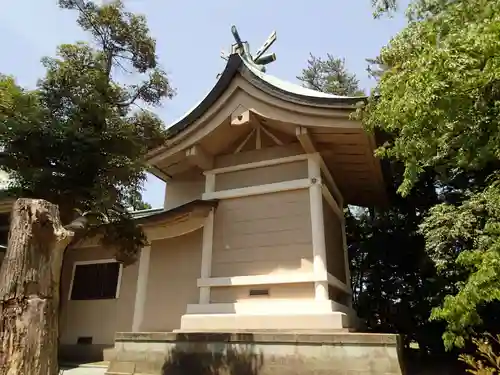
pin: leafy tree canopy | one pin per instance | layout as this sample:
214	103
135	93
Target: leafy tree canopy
439	97
439	100
79	138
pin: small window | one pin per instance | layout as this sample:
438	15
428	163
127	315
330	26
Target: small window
95	281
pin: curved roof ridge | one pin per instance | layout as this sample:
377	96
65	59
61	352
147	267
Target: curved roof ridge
274	86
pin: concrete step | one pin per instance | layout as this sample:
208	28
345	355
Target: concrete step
121	368
96	368
83	371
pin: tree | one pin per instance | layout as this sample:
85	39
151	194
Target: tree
136	202
383	6
439	100
330	76
143	206
395	283
73	148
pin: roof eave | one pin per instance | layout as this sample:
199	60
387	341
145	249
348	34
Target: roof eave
232	66
172	214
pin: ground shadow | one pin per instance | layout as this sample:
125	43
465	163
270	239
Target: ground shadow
213	354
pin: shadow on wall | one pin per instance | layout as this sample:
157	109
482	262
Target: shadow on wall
194	356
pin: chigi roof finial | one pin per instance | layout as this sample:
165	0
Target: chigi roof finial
260	59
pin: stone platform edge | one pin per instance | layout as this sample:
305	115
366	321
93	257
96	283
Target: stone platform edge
341	338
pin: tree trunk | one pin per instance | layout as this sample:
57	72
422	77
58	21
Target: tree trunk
29	289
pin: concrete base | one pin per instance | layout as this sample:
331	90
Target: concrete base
236	322
257	353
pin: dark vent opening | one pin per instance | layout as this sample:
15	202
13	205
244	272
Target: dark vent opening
259	292
84	340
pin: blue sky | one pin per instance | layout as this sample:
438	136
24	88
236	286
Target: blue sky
191	33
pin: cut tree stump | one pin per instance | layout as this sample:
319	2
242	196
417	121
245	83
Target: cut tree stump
29	289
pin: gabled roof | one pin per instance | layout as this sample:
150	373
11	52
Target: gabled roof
245	98
274	86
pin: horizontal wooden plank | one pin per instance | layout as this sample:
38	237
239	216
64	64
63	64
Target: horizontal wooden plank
261	176
258	254
265	224
224	241
261	267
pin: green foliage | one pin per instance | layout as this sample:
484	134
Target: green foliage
438	99
78	140
383	6
466	238
486	360
140	205
330	76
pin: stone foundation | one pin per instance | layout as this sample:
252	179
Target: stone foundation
257	353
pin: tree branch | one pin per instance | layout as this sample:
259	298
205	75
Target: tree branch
84	13
136	95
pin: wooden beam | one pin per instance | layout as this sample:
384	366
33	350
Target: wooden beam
286	278
275	187
331	182
258	164
245	141
272	136
332	203
305	140
196	156
317	229
258	139
206	256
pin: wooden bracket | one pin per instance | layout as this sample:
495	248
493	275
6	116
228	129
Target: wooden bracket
196	156
242	116
305	139
307	143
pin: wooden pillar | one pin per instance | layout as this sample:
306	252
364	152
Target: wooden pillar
206	256
141	290
318	229
208	239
